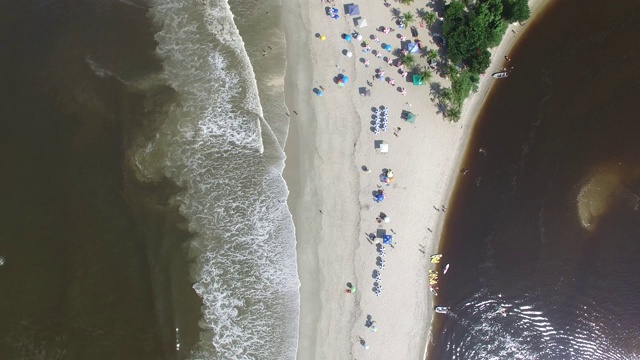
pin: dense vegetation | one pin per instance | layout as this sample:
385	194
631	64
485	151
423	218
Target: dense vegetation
471	28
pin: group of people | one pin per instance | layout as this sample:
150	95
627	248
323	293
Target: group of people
381	123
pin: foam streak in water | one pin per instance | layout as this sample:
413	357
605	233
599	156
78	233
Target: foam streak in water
211	145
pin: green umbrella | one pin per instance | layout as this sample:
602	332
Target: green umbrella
411	117
418	80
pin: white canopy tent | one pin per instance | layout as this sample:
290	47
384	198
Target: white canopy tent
361	22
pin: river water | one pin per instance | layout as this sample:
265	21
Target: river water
542	233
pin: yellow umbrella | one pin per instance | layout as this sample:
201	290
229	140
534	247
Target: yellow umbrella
322	37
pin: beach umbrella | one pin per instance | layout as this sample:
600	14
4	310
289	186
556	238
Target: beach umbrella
348	38
418	80
359	37
411	118
353	10
320	92
413	48
361	22
380	197
349	54
322	37
345	79
387	219
387	239
388	47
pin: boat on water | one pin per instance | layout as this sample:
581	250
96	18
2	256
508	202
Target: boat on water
442	309
501	74
446	268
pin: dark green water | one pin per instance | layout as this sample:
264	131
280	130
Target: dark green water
543	233
95	263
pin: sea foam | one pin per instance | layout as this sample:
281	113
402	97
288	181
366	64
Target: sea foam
234	195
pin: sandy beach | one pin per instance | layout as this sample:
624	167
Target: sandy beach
330	144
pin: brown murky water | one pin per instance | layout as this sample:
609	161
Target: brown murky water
94	263
542	236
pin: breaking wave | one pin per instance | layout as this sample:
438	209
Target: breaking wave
215	144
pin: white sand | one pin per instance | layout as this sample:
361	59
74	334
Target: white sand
330	139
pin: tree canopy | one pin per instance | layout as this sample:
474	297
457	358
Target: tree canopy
408	18
515	10
470	30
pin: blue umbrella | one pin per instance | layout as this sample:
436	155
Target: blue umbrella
347	37
345	79
388	47
387	239
380	197
319	92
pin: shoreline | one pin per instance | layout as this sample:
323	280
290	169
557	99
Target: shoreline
330	197
472	107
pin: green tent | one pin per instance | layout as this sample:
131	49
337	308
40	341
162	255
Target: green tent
411	117
418	80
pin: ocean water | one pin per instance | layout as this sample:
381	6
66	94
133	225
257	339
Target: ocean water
162	229
215	143
542	233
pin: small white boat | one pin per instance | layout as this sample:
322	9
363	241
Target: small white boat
446	268
442	309
501	74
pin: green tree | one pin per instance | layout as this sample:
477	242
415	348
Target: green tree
462	84
408	18
480	62
469	32
432	55
408	61
515	10
428	17
446	96
425	74
454	113
472	27
406	2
